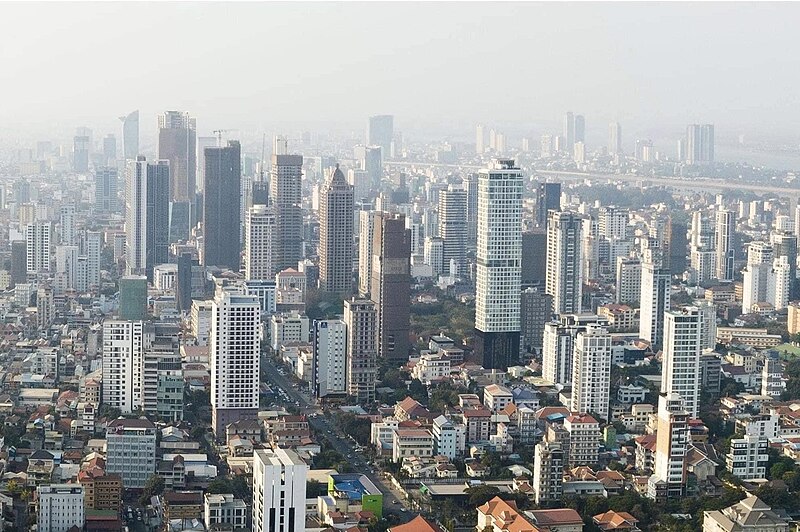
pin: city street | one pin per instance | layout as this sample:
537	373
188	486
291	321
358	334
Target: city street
393	501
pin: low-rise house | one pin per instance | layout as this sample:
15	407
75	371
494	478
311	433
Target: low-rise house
615	521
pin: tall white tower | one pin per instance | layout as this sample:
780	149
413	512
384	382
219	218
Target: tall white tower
591	371
725	229
680	370
654	302
234	355
564	262
499	262
259	235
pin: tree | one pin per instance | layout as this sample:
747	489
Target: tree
219	485
481	494
418	391
153	487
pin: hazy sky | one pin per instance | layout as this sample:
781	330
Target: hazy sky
442	66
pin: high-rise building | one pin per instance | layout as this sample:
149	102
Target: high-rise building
45	309
779	283
580	129
286	193
94	249
615	138
433	255
755	275
548	198
680	370
105	190
470	185
672	445
123	349
234	354
81	144
259	239
370	161
279	491
336	235
380	132
784	244
453	228
202	144
330	358
536	309
19	261
569	132
534	262
499	264
654	303
147	215
390	288
361	320
38	239
723	237
480	139
366	228
221	205
564	261
612	222
60	507
177	143
69	236
67	266
699	143
130	135
629	280
591	371
548	472
133	297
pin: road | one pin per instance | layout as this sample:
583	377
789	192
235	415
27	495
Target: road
696	183
393	500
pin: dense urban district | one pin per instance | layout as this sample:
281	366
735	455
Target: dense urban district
369	333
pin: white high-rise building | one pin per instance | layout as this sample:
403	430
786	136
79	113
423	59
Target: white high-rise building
559	345
629	280
499	262
779	283
94	246
147	194
755	275
591	371
67	265
68	234
123	348
723	236
614	138
279	491
680	369
708	324
654	302
612	222
60	507
433	254
480	139
234	354
564	261
259	236
38	236
330	357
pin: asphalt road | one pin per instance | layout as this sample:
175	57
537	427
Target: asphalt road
393	500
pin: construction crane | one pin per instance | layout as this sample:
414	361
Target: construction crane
219	132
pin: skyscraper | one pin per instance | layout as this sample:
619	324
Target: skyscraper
755	275
361	319
480	139
105	190
147	215
221	204
564	262
366	228
279	491
614	138
672	445
499	264
202	144
130	135
654	303
286	193
234	354
548	198
123	349
110	149
591	371
81	144
94	248
330	357
699	143
69	236
680	370
723	236
380	132
569	132
453	229
580	129
370	160
259	238
38	239
336	235
133	297
391	284
470	185
177	143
